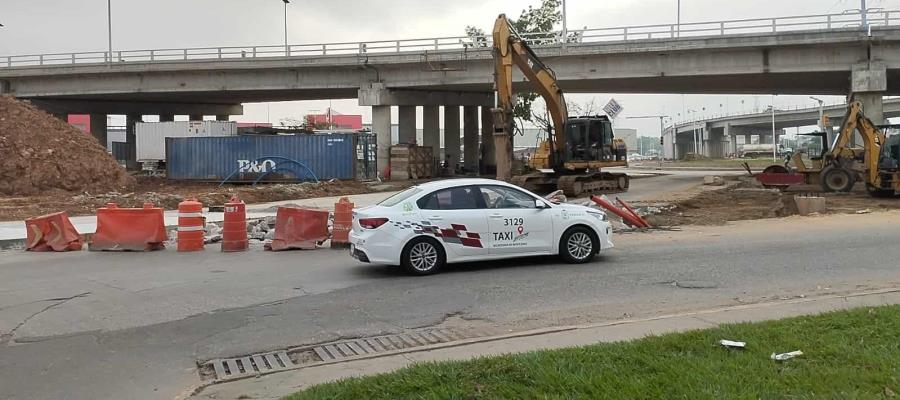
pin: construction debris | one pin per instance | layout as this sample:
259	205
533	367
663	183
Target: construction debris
733	344
786	356
42	153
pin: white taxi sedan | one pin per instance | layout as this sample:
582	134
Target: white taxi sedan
425	227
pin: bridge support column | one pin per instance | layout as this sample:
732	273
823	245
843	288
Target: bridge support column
431	131
98	128
222	118
470	138
195	117
451	136
381	125
4	86
868	82
166	117
131	141
488	161
406	120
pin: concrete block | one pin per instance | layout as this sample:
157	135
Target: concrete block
809	204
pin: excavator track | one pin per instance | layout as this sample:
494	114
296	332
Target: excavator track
573	185
600	182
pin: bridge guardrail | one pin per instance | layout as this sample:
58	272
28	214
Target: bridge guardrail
579	36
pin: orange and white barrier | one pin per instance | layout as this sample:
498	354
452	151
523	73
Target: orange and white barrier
52	232
190	225
234	227
136	229
343	220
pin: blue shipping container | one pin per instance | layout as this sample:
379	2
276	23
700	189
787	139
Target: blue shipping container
272	158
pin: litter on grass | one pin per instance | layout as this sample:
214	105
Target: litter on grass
786	356
733	344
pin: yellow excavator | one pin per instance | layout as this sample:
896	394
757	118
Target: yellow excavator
841	165
571	158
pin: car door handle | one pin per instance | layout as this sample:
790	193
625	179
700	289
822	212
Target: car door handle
496	215
436	218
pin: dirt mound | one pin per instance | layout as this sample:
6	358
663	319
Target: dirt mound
40	153
717	207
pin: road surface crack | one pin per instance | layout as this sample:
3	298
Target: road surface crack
6	338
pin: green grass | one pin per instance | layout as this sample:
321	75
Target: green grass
848	355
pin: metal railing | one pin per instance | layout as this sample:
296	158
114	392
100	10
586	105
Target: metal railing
575	37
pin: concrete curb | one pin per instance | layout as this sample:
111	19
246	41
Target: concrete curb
284	382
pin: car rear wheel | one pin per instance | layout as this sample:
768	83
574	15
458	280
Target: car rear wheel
578	245
422	256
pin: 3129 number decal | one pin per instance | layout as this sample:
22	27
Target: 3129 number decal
513	222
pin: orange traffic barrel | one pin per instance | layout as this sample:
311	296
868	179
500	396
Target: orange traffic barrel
190	225
234	228
343	220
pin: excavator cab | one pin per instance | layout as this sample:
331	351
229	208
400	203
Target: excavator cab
590	139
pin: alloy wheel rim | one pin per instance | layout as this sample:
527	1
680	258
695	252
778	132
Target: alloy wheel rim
423	256
580	245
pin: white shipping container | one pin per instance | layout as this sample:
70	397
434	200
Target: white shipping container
151	136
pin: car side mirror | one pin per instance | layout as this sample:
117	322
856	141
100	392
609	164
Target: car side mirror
539	204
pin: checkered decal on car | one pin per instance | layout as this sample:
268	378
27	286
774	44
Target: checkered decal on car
456	234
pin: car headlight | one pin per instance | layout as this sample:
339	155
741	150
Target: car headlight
599	215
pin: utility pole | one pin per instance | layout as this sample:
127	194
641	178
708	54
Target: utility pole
109	27
287	49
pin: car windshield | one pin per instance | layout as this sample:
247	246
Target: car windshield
400	197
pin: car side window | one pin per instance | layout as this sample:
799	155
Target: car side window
458	198
503	197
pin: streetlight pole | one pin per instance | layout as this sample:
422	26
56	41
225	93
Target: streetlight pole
287	49
565	31
109	28
864	12
678	20
774	136
821	112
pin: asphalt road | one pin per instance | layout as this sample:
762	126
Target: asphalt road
96	326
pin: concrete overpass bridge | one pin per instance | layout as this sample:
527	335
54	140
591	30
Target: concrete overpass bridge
718	137
817	54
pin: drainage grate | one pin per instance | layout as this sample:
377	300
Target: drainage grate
257	364
361	347
261	364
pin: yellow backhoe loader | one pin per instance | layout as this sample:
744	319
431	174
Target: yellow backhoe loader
572	156
841	165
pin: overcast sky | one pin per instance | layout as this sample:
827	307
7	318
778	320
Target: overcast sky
42	26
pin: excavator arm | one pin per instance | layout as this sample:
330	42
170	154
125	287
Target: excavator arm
510	49
873	138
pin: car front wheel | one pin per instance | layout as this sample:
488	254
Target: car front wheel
422	256
578	245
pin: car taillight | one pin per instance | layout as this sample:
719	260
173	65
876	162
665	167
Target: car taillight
372	223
